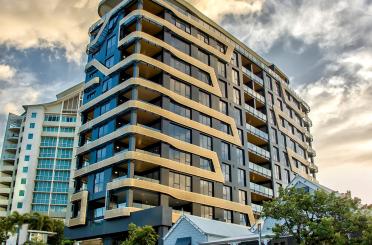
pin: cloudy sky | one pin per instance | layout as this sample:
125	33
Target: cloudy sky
325	47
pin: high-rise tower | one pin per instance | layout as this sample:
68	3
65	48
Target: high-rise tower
179	116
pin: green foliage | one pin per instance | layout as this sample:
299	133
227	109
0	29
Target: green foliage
7	229
145	235
320	217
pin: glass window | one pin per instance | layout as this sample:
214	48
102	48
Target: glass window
48	141
105	107
241	136
224	127
235	77
180	133
241	177
181	25
110	62
180	65
206	212
19	204
236	96
62	175
223	107
99	213
103	130
69	119
204	77
203	37
21	193
32	125
42	186
180	109
206	188
225	151
203	57
223	88
107	85
180	45
112	22
274	135
28	147
67	129
60	187
179	181
63	164
206	142
238	116
240	157
64	153
23	181
227	215
226	193
287	176
66	142
101	154
180	88
51	118
111	43
242	197
234	59
99	182
226	170
278	174
27	158
47	152
59	198
205	164
275	154
179	156
220	47
42	174
41	198
45	164
243	219
270	98
221	68
50	129
30	136
33	115
204	98
204	119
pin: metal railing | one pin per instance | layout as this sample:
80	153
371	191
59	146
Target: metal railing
254	94
261	189
256	208
259	151
259	169
255	112
256	131
253	76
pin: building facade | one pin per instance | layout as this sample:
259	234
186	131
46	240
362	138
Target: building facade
179	116
41	157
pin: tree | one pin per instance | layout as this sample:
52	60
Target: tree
319	217
145	235
7	229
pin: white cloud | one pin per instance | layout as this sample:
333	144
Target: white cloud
6	72
48	24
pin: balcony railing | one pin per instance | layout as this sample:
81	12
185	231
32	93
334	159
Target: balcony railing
8	157
308	121
259	169
142	205
254	94
256	208
10	146
261	189
259	151
255	112
253	76
256	131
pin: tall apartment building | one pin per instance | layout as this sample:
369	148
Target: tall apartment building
179	116
41	145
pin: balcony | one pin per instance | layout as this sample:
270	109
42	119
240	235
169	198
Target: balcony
261	170
307	121
255	131
4	202
13	137
254	94
262	190
255	112
5	179
5	190
15	126
253	76
10	147
8	157
259	151
256	208
7	168
311	151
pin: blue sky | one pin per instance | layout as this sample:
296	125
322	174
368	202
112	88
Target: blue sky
325	47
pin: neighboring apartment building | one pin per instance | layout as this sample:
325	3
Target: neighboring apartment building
8	162
42	154
180	115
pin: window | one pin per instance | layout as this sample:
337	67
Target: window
67	129
223	107
112	22
41	198
99	182
241	136
203	57
28	147
50	129
220	47
45	163
238	116
110	43
180	133
242	197
181	25
63	164
21	193
241	177
204	77
275	154
278	174
179	181
180	65
226	171
227	216
201	36
30	136
19	205
180	88
27	158
234	59
69	119
109	62
204	119
23	181
236	96
243	218
180	45
105	107
62	175
206	142
99	213
44	174
223	88
66	142
32	125
235	77
42	186
179	156
101	154
25	169
59	199
206	212
240	157
51	118
225	151
206	188
224	127
204	98
270	99
64	153
226	193
205	164
287	176
103	130
180	109
91	95
60	187
221	69
48	141
47	152
107	85
274	135
33	115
